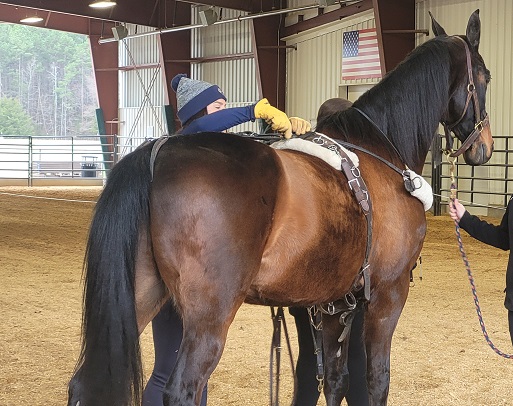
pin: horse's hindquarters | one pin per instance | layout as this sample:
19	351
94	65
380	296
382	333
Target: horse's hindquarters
212	204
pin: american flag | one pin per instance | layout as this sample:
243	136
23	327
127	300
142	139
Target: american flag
360	55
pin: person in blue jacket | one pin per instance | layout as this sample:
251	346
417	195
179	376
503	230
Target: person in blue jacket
499	236
201	107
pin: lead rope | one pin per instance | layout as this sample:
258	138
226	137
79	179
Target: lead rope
454	191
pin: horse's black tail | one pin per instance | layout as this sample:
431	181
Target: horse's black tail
109	369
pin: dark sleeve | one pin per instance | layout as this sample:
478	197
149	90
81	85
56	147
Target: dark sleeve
221	120
491	234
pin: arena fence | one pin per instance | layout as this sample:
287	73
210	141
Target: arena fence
48	160
485	188
85	160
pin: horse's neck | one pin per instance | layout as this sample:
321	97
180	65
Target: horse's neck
410	122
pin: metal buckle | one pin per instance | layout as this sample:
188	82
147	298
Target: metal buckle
318	140
355	171
353	180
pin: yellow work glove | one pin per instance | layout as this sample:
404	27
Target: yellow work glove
300	126
278	120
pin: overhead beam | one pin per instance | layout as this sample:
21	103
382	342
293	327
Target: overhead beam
56	21
242	5
270	59
132	11
395	26
175	58
326	18
105	63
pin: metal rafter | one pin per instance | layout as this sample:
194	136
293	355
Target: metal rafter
325	18
56	21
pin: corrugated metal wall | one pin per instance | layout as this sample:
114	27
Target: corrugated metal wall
141	91
314	67
236	77
141	94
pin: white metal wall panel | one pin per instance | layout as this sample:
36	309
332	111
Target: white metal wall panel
141	91
314	68
138	125
236	77
495	47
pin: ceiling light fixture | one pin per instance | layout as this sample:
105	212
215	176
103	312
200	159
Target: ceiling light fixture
102	4
31	20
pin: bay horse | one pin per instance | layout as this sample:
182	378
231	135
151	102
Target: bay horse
220	220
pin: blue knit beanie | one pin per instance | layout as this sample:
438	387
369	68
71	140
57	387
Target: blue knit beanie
193	95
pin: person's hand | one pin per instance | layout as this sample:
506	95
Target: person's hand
300	126
456	210
278	120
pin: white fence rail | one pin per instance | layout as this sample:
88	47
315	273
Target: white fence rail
44	160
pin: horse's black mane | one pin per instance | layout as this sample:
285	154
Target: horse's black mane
406	104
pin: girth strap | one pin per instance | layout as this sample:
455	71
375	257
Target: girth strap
316	329
348	303
155	150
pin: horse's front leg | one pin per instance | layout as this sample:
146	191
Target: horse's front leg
381	320
336	377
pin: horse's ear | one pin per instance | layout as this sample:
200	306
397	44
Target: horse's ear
474	30
437	28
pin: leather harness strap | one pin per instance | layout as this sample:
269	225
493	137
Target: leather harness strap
480	125
155	150
361	193
348	303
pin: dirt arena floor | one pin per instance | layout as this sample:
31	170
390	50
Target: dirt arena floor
439	355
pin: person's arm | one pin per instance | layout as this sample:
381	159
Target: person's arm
491	234
221	120
224	119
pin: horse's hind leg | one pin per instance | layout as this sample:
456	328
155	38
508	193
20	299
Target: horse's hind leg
150	290
206	320
336	378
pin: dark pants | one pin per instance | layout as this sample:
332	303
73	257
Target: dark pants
306	367
167	337
510	323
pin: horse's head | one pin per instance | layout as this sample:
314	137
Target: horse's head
466	114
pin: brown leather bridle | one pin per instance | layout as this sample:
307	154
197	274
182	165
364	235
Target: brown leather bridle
480	125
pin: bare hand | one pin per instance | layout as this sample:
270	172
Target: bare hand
456	210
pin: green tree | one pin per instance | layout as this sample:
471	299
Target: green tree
50	73
13	119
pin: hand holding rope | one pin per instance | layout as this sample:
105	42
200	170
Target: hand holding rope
454	190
